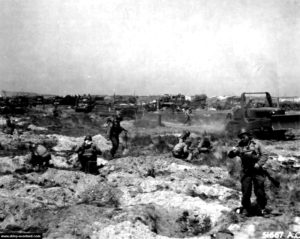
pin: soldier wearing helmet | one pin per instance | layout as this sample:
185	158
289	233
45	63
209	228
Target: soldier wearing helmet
113	132
87	155
184	136
205	145
187	112
252	158
10	124
40	155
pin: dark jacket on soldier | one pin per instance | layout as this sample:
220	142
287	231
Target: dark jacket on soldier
250	154
252	158
114	128
89	151
40	156
204	145
113	132
184	136
10	125
87	156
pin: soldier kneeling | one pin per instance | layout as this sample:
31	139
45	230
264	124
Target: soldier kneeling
87	155
204	145
40	157
182	150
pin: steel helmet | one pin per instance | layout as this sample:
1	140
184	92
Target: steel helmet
243	131
88	137
188	141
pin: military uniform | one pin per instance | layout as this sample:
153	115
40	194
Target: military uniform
187	113
184	136
181	150
87	156
10	125
39	156
253	159
204	145
114	130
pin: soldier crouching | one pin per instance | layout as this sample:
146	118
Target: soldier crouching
87	155
40	157
182	150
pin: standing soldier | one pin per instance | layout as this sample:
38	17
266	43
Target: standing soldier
253	159
55	111
188	112
87	155
10	125
114	130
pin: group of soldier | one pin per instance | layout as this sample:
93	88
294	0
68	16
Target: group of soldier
189	150
249	150
87	151
253	172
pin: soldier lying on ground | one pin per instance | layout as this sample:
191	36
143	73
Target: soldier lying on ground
87	155
40	156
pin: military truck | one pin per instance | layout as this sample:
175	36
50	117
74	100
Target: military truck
4	108
84	104
258	115
14	105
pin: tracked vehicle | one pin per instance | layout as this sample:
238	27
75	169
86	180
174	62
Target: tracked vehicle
84	104
259	116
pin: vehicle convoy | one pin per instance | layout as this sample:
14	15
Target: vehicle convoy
258	115
14	105
126	105
170	102
84	104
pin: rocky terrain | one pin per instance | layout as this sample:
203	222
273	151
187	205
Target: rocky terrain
144	192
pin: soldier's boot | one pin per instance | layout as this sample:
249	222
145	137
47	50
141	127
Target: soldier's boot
266	212
243	212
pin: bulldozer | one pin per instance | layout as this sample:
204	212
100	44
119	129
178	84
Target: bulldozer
84	104
261	117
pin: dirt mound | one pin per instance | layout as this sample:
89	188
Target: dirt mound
11	165
67	143
33	202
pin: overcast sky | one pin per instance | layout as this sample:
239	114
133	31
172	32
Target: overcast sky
217	47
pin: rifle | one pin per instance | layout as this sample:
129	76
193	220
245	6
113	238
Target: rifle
64	152
266	173
126	139
272	180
